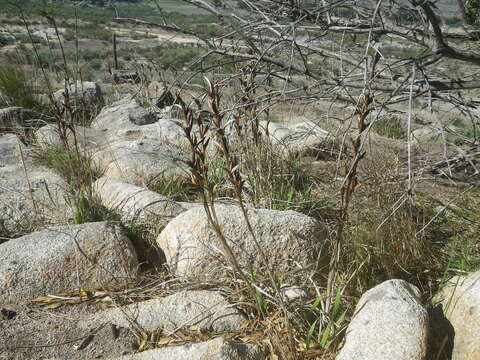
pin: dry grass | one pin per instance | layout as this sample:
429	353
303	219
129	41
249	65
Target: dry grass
384	234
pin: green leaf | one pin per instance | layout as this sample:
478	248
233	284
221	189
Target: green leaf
315	304
336	304
341	319
308	340
260	301
323	343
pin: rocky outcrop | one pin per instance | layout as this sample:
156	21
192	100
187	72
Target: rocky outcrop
216	349
305	138
140	160
459	301
28	193
18	120
128	120
65	258
87	139
389	323
81	95
192	248
122	114
207	310
135	202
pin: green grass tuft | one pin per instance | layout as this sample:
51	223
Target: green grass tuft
79	171
390	127
17	90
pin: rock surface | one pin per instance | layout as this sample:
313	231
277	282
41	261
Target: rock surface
138	161
10	147
18	120
122	114
305	138
88	139
134	202
38	196
192	249
166	131
389	323
28	193
65	258
460	300
127	120
208	310
216	349
81	95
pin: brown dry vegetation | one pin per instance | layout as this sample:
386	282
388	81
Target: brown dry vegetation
424	234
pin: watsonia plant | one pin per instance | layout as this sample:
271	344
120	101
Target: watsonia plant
200	139
264	291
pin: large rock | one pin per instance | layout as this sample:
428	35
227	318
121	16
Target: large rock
93	140
208	310
460	302
289	239
87	139
138	161
122	114
430	135
10	147
126	119
305	138
49	34
216	349
18	120
29	195
35	196
81	95
65	258
389	323
134	202
126	77
162	96
166	131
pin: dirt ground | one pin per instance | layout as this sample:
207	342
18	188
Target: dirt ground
29	332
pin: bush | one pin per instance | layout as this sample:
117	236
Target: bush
468	129
5	40
30	39
96	64
391	127
17	90
69	35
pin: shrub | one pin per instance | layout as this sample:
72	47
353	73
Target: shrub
468	129
30	39
5	40
69	35
96	64
391	127
175	188
16	90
